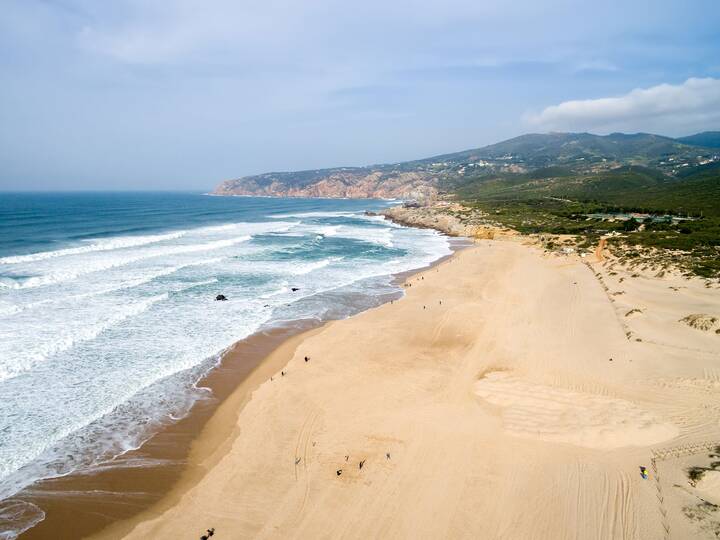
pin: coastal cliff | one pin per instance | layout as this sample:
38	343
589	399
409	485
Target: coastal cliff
358	183
450	219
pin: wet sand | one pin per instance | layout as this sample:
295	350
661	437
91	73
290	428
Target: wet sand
81	504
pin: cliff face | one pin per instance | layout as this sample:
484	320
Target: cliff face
335	183
453	220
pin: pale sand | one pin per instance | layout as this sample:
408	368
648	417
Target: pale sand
500	409
709	486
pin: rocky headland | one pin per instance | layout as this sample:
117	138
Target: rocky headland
358	183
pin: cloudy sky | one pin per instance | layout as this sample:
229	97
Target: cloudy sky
162	94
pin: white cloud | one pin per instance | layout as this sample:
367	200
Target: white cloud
666	108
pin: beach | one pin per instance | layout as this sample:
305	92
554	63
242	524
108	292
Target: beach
351	271
115	351
511	393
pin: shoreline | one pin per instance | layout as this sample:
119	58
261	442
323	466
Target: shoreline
558	371
499	398
178	455
128	489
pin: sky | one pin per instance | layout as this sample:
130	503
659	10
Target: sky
163	94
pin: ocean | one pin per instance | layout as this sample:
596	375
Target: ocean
108	315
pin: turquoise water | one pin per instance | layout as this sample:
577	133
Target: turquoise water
107	311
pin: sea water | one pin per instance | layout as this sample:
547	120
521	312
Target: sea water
108	315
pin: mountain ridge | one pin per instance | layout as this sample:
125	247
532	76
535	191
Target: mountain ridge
708	139
577	153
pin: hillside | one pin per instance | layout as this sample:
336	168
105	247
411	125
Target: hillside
708	139
543	150
542	156
628	186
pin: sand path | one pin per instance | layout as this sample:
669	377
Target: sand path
599	250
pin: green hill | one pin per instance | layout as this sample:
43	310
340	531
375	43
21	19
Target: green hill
638	169
570	149
708	139
629	186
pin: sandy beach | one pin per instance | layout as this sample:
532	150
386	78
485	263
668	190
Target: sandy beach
83	503
357	270
506	395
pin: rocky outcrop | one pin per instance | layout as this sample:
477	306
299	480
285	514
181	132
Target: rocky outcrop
336	183
450	219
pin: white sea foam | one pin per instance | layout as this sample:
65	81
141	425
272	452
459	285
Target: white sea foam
284	288
303	215
147	277
251	227
16	517
97	245
6	308
328	230
124	242
301	269
374	235
63	338
82	268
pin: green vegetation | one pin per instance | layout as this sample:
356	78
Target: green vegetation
534	151
560	204
708	139
700	239
632	188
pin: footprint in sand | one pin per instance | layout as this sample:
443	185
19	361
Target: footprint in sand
556	415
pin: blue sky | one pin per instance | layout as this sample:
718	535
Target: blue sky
161	94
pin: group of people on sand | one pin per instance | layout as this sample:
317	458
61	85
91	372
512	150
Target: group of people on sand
361	464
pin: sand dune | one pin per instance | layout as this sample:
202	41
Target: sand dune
558	415
505	396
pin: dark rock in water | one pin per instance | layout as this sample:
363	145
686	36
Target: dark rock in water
221	297
293	289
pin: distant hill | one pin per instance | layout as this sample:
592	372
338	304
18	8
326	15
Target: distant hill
708	139
543	150
613	167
